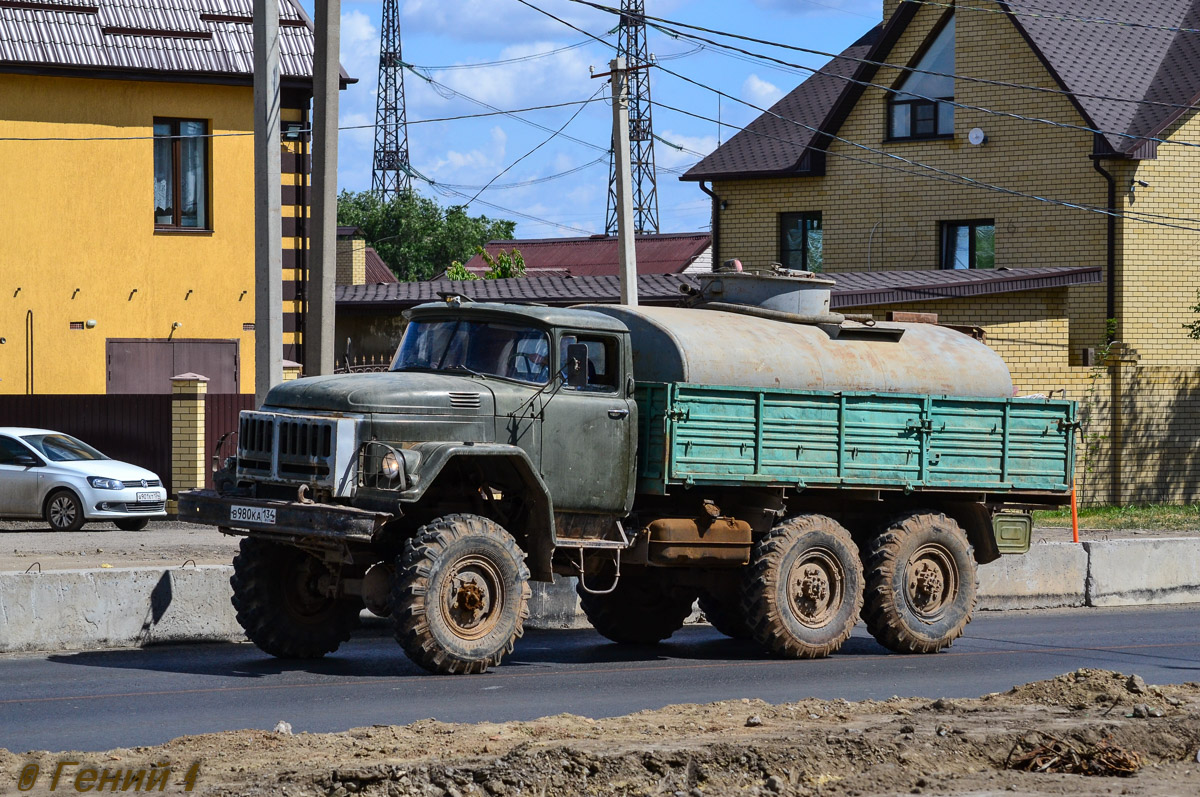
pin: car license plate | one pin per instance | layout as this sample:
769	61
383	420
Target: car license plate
148	498
253	514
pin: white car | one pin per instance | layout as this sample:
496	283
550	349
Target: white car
54	476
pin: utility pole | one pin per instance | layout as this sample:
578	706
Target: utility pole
322	278
268	257
622	189
390	172
631	46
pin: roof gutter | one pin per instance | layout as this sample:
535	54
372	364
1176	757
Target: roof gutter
716	222
1111	275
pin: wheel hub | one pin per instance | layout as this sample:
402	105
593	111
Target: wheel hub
931	581
817	587
472	597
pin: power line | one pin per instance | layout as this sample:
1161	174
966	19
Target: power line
534	181
942	175
506	61
497	112
901	91
885	64
541	144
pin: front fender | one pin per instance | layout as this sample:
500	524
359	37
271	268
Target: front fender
432	458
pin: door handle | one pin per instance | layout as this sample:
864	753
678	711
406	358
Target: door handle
617	415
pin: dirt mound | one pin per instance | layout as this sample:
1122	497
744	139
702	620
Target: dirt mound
1026	741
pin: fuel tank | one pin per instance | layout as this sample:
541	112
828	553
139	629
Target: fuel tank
713	347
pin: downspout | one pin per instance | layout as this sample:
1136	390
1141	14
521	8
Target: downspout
1111	277
1115	431
716	223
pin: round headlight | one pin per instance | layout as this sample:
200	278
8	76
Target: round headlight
390	465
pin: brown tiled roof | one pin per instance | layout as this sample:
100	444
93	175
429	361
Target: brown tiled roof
853	289
1089	60
178	37
378	272
665	253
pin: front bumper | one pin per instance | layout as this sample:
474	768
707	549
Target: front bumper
127	503
280	519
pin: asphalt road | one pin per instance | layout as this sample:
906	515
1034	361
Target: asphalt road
96	701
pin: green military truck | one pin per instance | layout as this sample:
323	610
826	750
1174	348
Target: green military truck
791	468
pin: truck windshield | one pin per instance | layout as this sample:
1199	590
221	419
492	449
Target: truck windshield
482	347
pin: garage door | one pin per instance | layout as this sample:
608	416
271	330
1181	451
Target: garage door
146	366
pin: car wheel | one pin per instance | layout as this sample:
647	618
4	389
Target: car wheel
132	523
64	512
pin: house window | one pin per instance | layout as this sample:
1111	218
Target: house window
800	241
921	105
180	174
969	244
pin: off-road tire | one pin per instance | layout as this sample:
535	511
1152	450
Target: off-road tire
723	611
277	604
428	615
132	523
904	615
64	511
642	610
782	598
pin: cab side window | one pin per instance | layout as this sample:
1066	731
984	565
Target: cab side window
604	364
10	450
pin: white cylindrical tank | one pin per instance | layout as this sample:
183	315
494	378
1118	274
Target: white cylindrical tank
710	347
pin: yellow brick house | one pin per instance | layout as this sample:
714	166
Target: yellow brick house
126	193
1036	140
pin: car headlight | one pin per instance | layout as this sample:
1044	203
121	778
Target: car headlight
390	465
101	483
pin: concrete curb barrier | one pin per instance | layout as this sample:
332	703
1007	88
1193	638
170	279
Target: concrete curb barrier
1125	572
1051	575
129	607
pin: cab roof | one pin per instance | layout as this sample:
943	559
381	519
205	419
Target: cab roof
549	316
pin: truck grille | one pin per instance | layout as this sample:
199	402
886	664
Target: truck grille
296	449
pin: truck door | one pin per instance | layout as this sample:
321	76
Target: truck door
589	434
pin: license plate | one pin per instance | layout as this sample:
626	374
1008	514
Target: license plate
252	514
148	498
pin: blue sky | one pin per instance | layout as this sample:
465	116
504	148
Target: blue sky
467	154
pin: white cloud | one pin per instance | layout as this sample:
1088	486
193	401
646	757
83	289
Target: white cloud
475	163
359	46
759	92
472	20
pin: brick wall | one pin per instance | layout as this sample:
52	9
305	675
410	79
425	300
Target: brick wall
351	261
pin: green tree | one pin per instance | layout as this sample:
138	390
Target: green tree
503	266
416	236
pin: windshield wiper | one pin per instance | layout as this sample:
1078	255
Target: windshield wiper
461	367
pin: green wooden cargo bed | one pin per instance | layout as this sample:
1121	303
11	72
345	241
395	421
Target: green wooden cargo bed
696	434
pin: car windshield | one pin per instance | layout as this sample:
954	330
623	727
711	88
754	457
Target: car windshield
480	347
62	447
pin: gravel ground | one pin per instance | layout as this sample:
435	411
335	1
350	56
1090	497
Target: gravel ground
1089	732
162	543
170	542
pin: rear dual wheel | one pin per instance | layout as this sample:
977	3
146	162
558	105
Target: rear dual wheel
922	583
802	591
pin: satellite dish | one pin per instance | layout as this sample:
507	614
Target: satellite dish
976	136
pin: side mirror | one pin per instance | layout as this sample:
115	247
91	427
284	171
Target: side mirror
27	461
577	358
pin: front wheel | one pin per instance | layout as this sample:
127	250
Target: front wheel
64	511
803	588
283	597
922	584
460	596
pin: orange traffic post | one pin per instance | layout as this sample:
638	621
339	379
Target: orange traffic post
1074	512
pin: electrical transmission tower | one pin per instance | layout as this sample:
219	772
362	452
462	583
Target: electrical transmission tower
631	45
390	171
